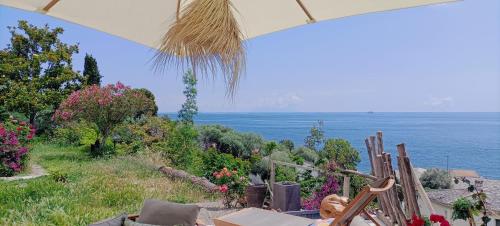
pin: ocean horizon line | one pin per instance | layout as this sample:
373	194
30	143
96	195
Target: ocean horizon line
287	112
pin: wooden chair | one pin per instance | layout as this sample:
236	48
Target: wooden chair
358	204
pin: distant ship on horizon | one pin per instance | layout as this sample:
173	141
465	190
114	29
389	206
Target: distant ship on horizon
370	112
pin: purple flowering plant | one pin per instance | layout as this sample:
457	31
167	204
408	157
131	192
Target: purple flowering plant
15	136
331	186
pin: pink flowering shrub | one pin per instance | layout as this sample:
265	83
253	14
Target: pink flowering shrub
105	106
331	186
14	138
232	185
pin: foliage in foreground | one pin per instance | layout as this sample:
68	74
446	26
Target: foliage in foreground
467	207
82	190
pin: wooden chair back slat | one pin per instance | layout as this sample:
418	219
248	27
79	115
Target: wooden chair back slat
363	199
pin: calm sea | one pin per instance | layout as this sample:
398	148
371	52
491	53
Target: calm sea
454	140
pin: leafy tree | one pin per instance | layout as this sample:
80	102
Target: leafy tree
3	114
106	107
341	153
252	143
316	136
307	154
150	96
91	71
269	148
36	70
189	108
435	179
287	143
231	143
209	135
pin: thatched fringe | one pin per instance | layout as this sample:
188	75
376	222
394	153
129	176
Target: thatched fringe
207	38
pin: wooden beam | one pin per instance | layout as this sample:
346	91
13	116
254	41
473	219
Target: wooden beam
273	174
346	186
342	173
368	148
306	11
50	5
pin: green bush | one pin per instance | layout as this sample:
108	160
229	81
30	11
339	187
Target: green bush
252	143
307	154
180	145
227	140
213	161
262	167
463	209
288	144
309	183
435	179
341	152
231	143
43	121
76	133
137	134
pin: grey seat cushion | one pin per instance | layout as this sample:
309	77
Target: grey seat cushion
133	223
168	214
116	221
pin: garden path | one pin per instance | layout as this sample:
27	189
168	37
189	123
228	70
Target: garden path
36	171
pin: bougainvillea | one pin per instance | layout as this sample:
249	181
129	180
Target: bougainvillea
331	186
14	138
232	185
106	107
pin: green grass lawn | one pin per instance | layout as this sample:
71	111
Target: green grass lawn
82	190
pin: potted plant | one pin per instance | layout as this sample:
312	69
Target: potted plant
286	196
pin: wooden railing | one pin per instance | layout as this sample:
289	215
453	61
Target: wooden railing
342	173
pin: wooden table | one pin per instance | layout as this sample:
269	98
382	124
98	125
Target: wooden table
260	217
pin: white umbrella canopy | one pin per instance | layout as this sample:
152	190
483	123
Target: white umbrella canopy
205	35
146	21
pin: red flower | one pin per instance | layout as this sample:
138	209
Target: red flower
438	218
22	123
19	128
445	223
416	221
223	188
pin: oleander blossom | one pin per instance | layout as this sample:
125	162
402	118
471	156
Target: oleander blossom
105	106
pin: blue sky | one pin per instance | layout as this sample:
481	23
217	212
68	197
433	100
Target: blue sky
436	58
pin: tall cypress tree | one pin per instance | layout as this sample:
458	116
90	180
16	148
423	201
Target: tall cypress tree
189	108
91	72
